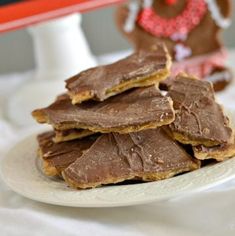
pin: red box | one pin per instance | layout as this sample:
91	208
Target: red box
26	12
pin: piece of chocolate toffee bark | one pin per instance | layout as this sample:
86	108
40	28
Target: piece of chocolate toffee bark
147	155
198	118
219	77
219	153
70	134
57	157
133	110
142	68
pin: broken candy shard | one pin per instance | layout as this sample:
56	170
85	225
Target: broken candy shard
147	155
198	118
142	68
133	110
219	152
57	157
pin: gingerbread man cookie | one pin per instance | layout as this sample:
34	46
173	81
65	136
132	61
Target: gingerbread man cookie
190	29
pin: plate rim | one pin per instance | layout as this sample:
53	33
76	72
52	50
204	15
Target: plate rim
182	193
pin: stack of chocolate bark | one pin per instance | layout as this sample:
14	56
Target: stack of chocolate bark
114	124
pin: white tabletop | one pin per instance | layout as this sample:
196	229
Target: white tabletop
210	212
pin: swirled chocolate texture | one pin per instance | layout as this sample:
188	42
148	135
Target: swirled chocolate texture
57	157
147	155
134	110
142	68
198	118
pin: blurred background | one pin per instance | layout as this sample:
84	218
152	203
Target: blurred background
16	49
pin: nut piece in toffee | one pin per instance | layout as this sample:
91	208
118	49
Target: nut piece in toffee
147	155
134	110
219	152
198	118
57	157
142	68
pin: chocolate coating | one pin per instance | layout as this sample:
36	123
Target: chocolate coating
130	111
199	119
221	78
61	155
220	152
99	80
146	155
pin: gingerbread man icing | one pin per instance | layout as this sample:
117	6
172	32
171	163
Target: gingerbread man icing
190	29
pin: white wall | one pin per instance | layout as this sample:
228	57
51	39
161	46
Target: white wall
16	52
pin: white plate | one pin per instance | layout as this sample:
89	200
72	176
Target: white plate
21	172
